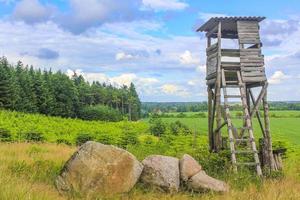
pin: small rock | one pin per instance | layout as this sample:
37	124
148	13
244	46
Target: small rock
188	167
201	182
161	172
97	169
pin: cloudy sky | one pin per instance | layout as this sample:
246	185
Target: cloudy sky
152	43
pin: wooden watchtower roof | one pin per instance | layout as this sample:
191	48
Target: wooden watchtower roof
229	25
248	58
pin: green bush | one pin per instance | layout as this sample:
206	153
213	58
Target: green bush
181	115
239	114
100	112
63	141
178	127
106	138
201	115
33	136
157	127
83	138
129	137
5	135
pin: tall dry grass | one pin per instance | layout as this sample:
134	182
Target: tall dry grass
28	171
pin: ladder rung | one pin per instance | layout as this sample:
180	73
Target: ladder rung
229	70
244	140
244	128
248	163
243	151
231	81
233	86
232	96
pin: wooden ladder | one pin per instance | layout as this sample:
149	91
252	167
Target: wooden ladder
235	140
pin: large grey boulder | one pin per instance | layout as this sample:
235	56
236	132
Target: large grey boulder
98	170
188	167
161	172
201	182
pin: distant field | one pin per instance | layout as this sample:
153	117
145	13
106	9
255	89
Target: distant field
285	126
273	113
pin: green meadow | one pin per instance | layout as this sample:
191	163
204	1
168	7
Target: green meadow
35	147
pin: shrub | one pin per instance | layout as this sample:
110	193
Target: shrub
83	138
5	135
181	115
105	138
63	141
239	114
157	127
129	137
34	137
201	115
100	112
178	127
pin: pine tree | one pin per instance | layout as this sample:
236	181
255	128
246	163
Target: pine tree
134	103
5	81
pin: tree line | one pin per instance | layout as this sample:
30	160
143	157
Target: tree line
167	107
22	88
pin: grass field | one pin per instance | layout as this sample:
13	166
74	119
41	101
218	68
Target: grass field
273	113
28	170
285	126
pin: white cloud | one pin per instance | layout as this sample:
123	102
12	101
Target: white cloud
186	58
201	68
123	56
32	11
278	77
118	81
176	90
192	82
165	4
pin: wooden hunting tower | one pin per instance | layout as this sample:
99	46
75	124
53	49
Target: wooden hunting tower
237	70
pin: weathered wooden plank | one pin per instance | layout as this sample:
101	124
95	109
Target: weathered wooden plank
211	56
249	38
230	52
252	68
249	41
252	60
249	31
253	73
211	76
212	47
212	51
251	50
211	70
244	28
248	34
250	54
252	57
251	64
211	81
230	64
254	79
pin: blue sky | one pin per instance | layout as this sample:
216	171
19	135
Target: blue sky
152	43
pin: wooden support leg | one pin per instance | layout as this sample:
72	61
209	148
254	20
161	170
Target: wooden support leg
267	147
210	131
218	134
